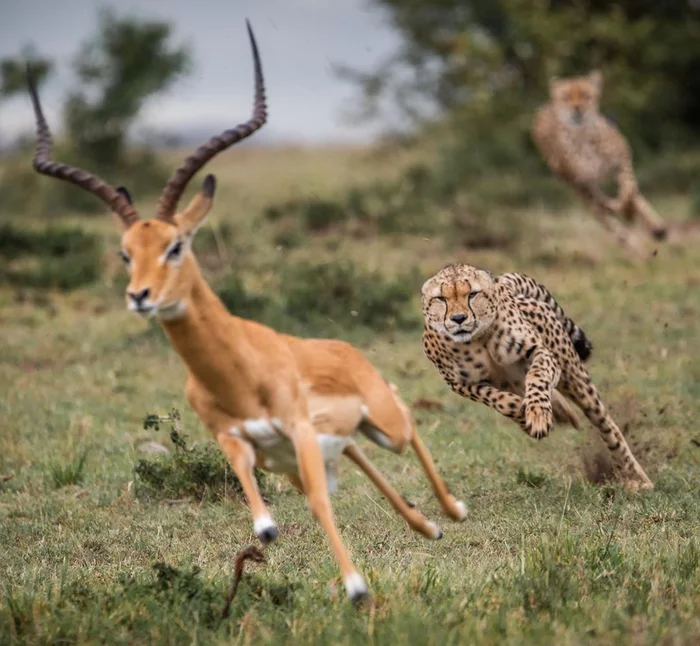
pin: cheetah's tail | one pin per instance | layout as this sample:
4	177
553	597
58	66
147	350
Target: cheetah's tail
582	343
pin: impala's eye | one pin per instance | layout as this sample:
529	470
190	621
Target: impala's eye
124	256
174	251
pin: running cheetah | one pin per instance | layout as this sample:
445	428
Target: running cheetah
583	148
505	342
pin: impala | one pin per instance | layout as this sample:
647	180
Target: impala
278	402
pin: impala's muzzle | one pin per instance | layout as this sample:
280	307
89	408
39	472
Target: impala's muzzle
139	301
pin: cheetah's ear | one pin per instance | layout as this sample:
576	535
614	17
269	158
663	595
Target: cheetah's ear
486	276
426	286
596	79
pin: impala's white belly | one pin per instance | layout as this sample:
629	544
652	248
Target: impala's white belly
278	450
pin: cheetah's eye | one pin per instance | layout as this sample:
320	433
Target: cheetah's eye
124	256
442	299
474	294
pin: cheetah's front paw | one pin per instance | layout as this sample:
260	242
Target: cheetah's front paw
538	419
639	483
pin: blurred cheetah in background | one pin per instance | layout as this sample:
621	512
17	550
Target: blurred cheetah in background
585	149
505	342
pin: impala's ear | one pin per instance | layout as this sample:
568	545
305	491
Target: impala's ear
189	220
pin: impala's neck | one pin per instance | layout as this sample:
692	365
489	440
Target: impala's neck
205	335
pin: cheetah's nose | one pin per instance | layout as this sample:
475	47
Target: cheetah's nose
458	318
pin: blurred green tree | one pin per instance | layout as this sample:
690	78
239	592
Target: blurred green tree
120	69
482	61
13	75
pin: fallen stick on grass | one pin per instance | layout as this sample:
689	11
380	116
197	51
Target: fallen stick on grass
249	553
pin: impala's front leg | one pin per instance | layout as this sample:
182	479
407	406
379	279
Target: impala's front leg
241	457
312	471
239	453
541	379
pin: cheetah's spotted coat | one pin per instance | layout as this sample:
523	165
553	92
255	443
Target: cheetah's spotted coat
505	342
585	149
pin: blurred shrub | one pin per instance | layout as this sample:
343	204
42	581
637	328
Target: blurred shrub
243	303
313	298
199	473
348	296
673	171
494	59
53	241
496	168
23	190
209	238
400	206
55	257
313	214
474	228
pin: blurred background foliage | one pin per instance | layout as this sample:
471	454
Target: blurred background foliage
487	62
467	78
127	62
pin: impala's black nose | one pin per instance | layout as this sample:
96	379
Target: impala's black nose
459	318
139	297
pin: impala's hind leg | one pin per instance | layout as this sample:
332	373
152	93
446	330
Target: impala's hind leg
389	423
296	482
454	508
582	390
413	517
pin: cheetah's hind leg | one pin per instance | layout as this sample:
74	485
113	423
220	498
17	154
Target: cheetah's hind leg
581	389
563	411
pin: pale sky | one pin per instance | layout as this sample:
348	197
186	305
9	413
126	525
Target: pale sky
298	41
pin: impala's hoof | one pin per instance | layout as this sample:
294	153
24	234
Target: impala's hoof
461	510
434	532
356	589
360	599
266	529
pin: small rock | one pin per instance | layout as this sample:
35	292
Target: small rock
152	447
423	403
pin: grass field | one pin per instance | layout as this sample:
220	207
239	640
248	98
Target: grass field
543	557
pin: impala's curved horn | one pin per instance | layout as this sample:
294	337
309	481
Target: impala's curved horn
180	178
82	178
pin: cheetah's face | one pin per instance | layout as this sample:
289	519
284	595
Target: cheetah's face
458	302
576	99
